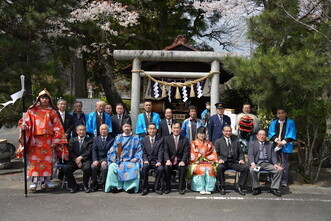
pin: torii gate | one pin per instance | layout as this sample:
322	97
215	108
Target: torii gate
159	55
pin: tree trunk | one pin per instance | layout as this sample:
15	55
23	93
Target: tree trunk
79	77
107	82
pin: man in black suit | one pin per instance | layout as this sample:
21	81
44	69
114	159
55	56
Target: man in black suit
176	157
152	157
217	122
261	156
80	156
66	118
230	156
119	119
100	147
165	125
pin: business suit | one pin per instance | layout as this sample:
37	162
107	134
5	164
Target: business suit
215	126
68	123
153	154
117	125
164	129
71	166
181	153
222	150
254	157
99	153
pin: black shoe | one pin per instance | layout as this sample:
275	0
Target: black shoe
74	189
223	191
276	192
87	190
159	192
94	187
256	191
181	192
240	191
166	191
114	190
144	192
130	190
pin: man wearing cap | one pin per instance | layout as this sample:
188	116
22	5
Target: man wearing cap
217	122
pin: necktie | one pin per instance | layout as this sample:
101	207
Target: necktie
80	144
148	117
176	143
221	120
103	140
120	119
152	142
169	126
262	152
230	154
100	118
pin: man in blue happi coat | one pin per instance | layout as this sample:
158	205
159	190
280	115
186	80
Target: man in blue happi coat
146	118
97	118
282	132
124	160
191	124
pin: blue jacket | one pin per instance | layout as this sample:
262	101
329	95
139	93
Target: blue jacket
141	126
91	125
290	133
215	127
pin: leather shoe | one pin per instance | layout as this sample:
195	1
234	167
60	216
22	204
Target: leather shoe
95	187
159	192
166	191
144	192
182	192
240	191
130	190
114	190
256	191
87	190
222	191
276	192
74	189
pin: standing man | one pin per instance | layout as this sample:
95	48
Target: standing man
176	156
80	156
282	132
165	125
97	118
217	122
79	117
146	118
109	110
261	156
124	159
247	125
100	148
230	156
191	124
152	146
118	119
205	115
66	118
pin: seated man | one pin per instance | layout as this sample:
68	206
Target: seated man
176	156
152	157
261	156
124	160
100	147
80	156
230	156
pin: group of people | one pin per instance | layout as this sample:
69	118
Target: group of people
103	145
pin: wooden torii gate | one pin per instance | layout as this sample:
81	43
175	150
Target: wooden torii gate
159	55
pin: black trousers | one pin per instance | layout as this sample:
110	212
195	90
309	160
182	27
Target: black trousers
71	167
158	176
182	173
242	168
103	173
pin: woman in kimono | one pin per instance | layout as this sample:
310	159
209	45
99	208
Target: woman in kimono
203	160
45	136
